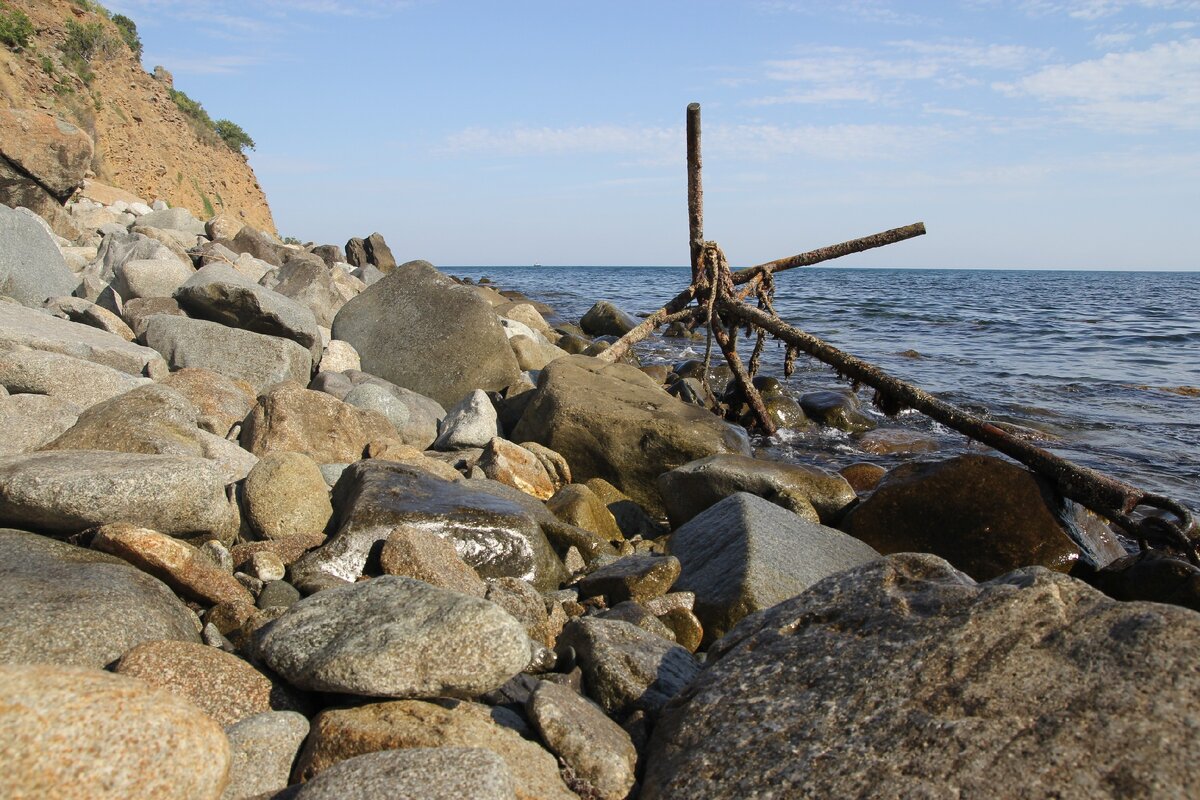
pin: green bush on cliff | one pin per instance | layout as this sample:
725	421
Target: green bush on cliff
232	134
15	28
129	33
84	44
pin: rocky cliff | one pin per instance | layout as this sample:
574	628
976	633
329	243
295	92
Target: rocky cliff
76	67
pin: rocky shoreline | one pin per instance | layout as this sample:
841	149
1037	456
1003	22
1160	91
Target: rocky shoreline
284	521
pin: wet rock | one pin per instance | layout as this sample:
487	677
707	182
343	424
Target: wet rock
746	553
862	477
430	773
595	748
395	637
631	518
33	420
178	564
810	492
66	492
1147	576
637	578
471	423
494	533
984	515
73	380
221	402
605	319
80	732
32	268
836	409
418	329
889	440
340	734
578	505
425	556
613	422
264	747
61	604
291	418
285	494
517	467
636	614
905	678
625	668
221	685
25	327
260	360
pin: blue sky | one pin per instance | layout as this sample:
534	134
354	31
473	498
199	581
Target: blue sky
1029	134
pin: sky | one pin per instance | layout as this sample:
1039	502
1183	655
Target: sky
1026	134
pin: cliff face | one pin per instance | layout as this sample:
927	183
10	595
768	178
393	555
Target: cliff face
143	141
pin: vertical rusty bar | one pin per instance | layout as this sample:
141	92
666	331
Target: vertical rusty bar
695	191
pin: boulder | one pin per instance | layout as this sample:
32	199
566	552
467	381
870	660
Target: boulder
220	293
175	219
637	577
285	494
221	402
294	419
836	409
425	556
220	684
178	564
331	254
495	534
32	268
339	356
526	605
264	747
258	244
379	254
905	678
517	467
144	277
631	518
122	247
85	312
30	421
471	423
418	329
61	604
46	149
578	505
595	748
430	773
405	725
605	319
746	553
984	515
260	360
811	492
625	668
312	286
395	637
138	311
356	252
611	421
64	378
65	492
24	327
80	732
223	226
424	414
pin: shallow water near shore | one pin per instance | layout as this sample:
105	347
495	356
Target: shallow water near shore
1088	358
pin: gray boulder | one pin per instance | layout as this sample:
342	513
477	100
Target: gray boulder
145	277
174	219
379	254
260	360
76	309
418	329
429	773
498	536
811	492
66	492
73	380
625	668
356	252
62	604
222	294
424	413
597	749
32	267
311	285
612	421
395	637
905	678
264	747
745	554
471	423
32	420
120	248
605	319
24	327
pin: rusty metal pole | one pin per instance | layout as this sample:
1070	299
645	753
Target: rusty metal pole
695	190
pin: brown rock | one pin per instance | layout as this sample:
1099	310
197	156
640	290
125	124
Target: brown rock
428	557
221	685
221	402
521	600
883	441
338	734
578	505
288	548
637	578
862	477
290	417
182	567
79	732
285	494
631	518
685	625
51	150
578	732
517	467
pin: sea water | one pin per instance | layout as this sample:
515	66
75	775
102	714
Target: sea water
1099	362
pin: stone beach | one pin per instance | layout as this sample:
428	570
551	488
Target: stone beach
306	521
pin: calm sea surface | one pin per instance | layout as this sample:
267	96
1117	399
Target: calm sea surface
1086	357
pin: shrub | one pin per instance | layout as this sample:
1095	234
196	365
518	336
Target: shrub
232	134
129	33
15	28
84	44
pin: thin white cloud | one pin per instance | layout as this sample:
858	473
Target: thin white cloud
1150	89
1092	10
